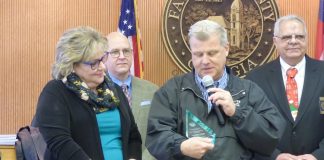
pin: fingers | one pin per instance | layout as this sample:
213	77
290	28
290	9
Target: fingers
207	143
286	156
215	90
196	147
224	99
306	157
207	140
218	94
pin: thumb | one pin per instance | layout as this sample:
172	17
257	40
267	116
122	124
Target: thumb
207	140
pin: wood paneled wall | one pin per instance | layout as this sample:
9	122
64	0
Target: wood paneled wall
29	31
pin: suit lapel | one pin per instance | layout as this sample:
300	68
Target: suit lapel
135	99
134	88
311	81
278	89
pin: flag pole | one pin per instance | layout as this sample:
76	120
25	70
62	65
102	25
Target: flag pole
139	44
319	49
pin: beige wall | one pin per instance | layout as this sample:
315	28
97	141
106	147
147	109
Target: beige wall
29	31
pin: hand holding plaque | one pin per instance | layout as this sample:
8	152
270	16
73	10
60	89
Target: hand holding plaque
196	128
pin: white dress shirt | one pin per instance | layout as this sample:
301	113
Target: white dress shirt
300	76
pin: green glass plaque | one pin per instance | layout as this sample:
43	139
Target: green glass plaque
196	128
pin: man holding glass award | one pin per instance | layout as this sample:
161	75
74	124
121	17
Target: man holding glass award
209	113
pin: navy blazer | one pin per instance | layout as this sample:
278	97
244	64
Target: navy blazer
306	134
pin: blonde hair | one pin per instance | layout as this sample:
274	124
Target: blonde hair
76	45
203	29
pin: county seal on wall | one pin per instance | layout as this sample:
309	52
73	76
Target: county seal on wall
249	25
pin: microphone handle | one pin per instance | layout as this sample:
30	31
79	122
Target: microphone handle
220	117
219	114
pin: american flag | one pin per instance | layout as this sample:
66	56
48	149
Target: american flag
320	33
128	25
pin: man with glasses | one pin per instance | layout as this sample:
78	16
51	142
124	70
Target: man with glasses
294	82
184	122
138	91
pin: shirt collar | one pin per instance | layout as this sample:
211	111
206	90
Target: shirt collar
119	82
220	83
286	66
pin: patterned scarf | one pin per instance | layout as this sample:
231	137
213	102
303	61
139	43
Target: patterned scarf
101	102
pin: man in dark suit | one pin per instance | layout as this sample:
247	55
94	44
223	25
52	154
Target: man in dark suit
299	97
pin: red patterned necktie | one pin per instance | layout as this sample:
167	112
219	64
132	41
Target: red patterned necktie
127	94
291	88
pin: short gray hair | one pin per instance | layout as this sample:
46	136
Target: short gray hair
287	18
76	45
204	28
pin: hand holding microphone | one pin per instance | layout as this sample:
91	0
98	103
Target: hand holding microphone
221	99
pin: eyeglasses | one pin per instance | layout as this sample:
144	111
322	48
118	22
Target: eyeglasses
95	64
287	38
116	53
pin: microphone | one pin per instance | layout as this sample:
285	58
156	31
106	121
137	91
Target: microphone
208	82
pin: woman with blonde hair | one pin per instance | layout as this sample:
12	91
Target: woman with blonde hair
81	113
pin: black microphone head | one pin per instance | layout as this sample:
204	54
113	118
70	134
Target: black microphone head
208	81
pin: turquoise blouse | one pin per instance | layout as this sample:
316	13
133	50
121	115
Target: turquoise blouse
110	134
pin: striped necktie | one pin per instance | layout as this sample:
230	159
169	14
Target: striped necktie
127	94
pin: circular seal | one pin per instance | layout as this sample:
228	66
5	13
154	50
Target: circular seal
249	25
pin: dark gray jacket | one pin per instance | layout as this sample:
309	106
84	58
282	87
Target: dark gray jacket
256	126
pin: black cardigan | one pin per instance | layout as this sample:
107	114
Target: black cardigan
70	128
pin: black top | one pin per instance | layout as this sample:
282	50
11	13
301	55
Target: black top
70	128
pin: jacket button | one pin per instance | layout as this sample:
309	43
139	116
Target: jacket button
294	132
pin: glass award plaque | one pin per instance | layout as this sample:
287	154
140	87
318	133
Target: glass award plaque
196	128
